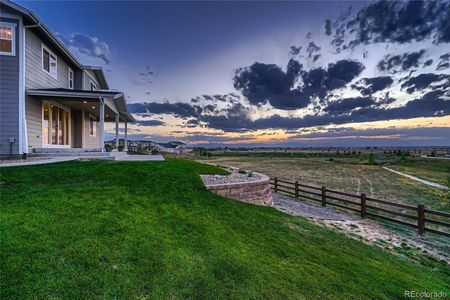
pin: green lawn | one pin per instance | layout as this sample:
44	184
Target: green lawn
110	230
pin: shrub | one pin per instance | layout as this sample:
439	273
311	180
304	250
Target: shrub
242	171
250	174
121	148
140	150
155	151
108	147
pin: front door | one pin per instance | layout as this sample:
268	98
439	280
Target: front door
55	125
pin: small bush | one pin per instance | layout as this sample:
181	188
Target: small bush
121	148
242	171
140	150
250	174
108	148
155	151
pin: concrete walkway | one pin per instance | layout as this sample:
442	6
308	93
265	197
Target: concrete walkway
38	162
140	158
69	158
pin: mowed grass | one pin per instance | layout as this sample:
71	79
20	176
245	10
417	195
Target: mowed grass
135	230
349	176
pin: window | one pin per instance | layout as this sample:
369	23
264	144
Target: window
7	39
92	126
49	62
70	79
93	86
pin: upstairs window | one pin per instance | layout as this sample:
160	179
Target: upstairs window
7	39
93	86
49	62
70	76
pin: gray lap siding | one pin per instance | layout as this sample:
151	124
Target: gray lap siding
9	97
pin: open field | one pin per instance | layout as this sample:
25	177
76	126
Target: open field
99	229
436	170
349	175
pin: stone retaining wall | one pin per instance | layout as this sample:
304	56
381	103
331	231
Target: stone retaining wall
255	192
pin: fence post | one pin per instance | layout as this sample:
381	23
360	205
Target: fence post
363	206
324	196
275	181
421	219
296	189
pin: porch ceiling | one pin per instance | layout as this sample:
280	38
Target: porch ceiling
89	105
88	101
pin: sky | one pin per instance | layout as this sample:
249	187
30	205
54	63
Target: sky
306	74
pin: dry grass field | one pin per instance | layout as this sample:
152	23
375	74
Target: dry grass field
346	175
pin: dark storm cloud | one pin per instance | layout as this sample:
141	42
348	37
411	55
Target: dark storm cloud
295	50
397	22
444	62
268	82
430	105
328	27
423	81
348	104
150	123
90	46
368	86
402	62
312	49
177	109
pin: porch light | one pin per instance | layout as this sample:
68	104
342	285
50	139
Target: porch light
93	107
84	101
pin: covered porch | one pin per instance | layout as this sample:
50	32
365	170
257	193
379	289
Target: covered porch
73	121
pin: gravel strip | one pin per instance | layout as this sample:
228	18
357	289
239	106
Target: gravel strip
234	177
304	209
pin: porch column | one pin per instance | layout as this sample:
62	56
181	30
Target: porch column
117	131
126	136
102	124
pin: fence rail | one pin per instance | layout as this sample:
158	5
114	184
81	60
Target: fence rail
417	217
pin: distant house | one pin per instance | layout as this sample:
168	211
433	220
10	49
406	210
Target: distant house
49	101
172	147
134	145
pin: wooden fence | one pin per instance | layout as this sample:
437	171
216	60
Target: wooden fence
418	217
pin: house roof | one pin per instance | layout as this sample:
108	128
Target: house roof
32	20
118	97
98	71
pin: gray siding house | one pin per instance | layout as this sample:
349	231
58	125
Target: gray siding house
49	101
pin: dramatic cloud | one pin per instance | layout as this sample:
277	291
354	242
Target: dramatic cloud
444	62
427	80
368	86
262	83
395	22
91	46
182	110
150	123
308	94
402	62
346	105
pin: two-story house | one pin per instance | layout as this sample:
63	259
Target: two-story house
49	101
